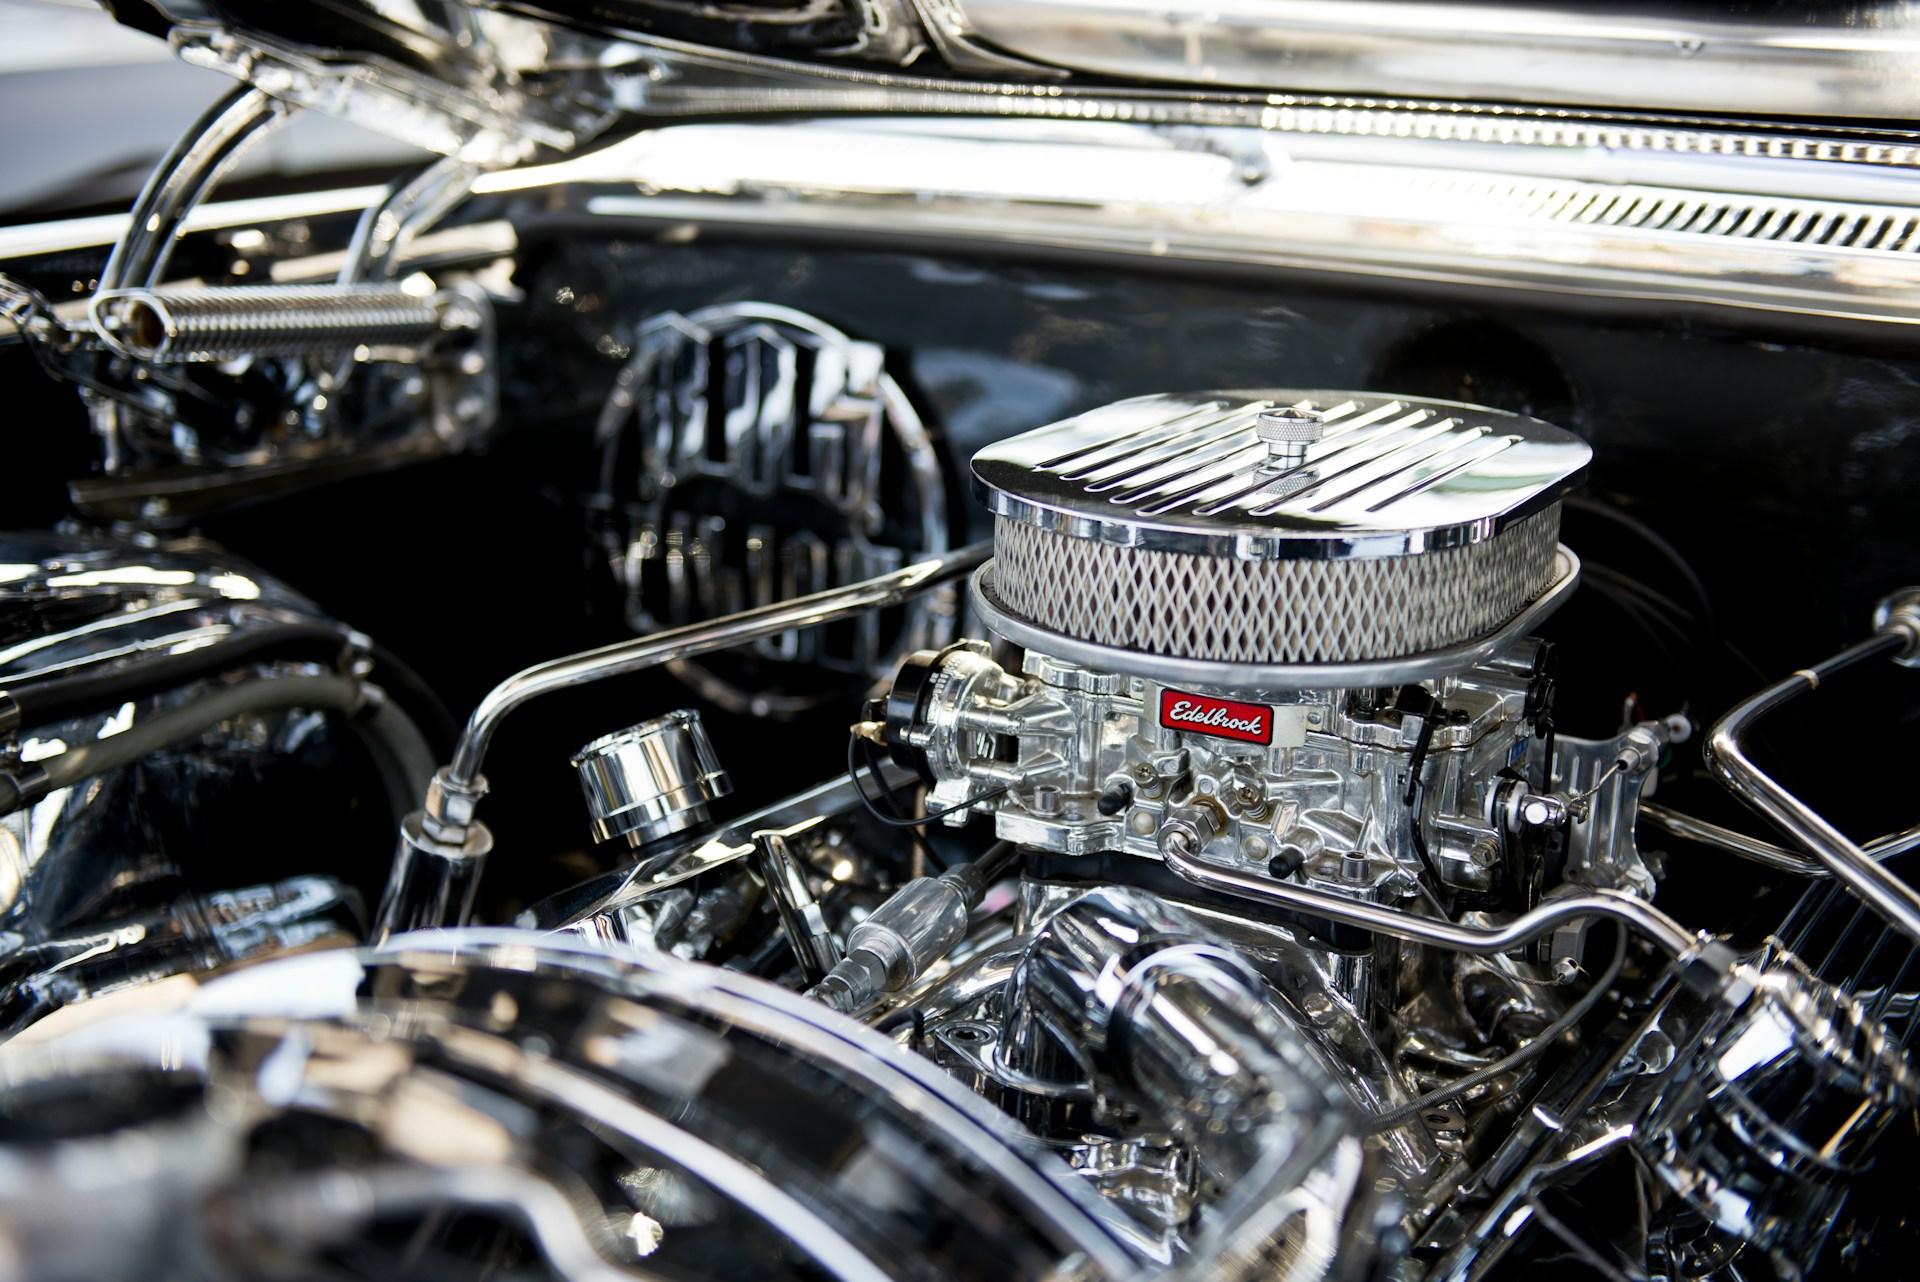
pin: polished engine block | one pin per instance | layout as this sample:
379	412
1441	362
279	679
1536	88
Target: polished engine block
1209	889
1290	903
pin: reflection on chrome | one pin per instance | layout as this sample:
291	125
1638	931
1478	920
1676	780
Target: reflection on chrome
1091	766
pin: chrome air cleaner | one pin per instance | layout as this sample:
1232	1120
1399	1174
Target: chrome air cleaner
1277	539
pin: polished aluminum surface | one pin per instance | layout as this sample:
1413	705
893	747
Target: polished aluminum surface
1122	983
1627	216
1779	1109
1273	529
1634	214
642	1067
1810	59
473	105
1389	476
192	935
751	453
119	788
652	779
1821	60
1600	782
1208	674
1308	787
1387	74
593	908
801	915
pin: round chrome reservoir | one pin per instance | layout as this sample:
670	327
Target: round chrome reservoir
650	780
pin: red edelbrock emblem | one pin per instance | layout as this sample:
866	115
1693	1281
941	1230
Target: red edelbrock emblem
1203	714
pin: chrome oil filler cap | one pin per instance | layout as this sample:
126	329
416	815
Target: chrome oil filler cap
651	780
1254	535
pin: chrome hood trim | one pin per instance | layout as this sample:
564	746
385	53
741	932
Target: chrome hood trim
1621	226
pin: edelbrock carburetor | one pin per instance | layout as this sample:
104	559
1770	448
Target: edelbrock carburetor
1283	631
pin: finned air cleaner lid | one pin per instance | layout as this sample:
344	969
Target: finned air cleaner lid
1279	474
1267	536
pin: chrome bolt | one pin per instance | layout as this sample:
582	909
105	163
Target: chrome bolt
1287	432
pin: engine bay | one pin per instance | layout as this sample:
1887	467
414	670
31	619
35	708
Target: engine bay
571	738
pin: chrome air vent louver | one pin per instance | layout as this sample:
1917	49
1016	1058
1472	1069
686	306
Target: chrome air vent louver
1280	537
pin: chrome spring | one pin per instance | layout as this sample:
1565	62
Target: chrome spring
166	326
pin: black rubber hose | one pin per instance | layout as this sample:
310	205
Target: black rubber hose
57	698
425	708
261	694
401	754
974	879
995	862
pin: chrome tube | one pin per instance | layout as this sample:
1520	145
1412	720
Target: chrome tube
176	187
1726	756
410	207
433	882
1663	930
1765	852
183	178
443	848
697	639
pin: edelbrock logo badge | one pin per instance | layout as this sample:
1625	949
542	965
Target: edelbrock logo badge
1223	718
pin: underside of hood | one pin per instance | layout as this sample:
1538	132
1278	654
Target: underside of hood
500	85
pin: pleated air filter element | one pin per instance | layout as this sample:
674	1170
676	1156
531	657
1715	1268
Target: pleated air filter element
1276	529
